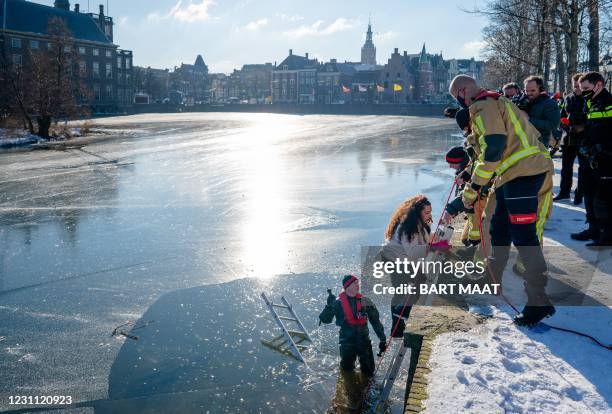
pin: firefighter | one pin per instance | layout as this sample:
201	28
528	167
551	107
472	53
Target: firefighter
598	149
352	312
520	168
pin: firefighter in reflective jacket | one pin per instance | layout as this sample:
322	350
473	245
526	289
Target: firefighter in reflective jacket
597	147
520	170
352	312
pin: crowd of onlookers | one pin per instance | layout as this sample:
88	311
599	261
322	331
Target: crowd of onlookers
580	125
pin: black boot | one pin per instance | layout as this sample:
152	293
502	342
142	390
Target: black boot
532	315
537	308
584	235
577	199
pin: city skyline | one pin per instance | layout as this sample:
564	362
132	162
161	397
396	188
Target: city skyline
166	33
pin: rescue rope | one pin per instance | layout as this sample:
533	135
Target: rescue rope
484	249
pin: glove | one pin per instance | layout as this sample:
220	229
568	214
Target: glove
382	347
331	298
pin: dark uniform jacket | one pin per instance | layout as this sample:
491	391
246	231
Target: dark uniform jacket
544	114
598	133
573	109
355	333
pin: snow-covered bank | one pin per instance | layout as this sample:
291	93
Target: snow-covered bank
14	138
500	368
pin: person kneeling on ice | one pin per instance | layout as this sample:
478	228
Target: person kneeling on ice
352	312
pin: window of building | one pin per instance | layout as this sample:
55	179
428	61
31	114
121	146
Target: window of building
109	70
67	49
127	78
17	60
34	44
82	50
128	63
82	68
96	70
50	46
109	92
96	92
109	54
96	52
119	62
16	42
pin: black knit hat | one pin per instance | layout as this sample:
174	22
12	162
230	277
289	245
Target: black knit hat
463	118
457	155
348	280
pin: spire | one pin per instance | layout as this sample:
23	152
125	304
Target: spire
369	32
423	57
199	61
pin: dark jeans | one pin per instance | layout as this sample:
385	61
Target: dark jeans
590	183
515	221
362	349
567	169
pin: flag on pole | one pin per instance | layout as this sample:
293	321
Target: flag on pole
362	88
345	89
397	87
379	88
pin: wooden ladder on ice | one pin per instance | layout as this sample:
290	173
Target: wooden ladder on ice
291	341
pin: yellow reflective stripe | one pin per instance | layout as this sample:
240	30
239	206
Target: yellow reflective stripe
474	233
600	114
516	157
518	128
543	216
481	172
480	124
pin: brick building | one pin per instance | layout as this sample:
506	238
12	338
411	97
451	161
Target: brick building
294	80
104	69
423	77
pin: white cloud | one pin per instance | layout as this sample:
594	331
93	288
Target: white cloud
191	12
188	13
317	29
473	48
256	24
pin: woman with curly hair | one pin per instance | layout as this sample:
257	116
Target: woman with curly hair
408	236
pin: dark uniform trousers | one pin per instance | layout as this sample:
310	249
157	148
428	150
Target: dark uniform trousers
522	207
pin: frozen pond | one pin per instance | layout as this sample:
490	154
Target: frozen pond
192	200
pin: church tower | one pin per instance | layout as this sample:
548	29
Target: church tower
368	50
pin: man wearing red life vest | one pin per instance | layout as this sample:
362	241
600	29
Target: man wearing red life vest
352	312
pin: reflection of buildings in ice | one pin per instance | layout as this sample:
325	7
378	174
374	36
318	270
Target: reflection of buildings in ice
27	209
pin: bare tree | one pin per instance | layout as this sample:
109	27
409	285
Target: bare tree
46	85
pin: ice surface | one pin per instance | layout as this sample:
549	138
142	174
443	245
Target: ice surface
86	245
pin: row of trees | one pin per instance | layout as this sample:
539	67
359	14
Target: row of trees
45	85
552	38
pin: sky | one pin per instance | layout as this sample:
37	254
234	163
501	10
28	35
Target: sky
231	33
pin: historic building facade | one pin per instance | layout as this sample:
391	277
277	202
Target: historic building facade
294	80
103	68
